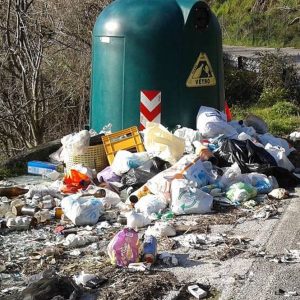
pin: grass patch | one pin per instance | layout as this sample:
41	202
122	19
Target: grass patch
6	173
280	121
254	23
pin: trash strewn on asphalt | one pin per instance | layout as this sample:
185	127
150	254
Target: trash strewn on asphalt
110	228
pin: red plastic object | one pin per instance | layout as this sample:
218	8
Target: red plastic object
228	112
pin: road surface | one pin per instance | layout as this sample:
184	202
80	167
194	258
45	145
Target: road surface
250	52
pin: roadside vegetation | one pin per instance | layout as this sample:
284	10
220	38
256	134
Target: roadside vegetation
273	23
269	88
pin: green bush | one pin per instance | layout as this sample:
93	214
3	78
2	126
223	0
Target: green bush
271	96
284	108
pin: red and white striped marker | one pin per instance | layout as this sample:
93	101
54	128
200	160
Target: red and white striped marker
150	108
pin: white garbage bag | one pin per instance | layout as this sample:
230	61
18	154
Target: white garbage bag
150	204
279	154
189	200
75	144
82	211
212	122
125	160
268	138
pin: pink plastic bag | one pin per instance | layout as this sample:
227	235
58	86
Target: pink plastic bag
123	249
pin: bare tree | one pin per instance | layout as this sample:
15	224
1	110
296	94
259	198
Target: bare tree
44	69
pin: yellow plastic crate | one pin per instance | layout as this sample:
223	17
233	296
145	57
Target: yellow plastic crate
94	158
127	139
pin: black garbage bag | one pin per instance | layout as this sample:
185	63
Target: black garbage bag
49	288
284	177
246	154
135	178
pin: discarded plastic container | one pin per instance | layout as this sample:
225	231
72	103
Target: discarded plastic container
122	140
123	249
150	249
12	191
4	206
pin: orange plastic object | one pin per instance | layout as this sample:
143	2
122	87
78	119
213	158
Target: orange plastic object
127	139
74	181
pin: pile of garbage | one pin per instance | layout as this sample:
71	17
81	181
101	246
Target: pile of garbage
220	166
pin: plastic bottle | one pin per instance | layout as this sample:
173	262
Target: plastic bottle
4	206
150	249
12	191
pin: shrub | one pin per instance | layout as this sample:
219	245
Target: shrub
284	108
270	96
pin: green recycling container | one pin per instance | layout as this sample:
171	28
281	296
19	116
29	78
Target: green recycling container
155	60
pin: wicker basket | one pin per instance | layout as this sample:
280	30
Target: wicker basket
94	158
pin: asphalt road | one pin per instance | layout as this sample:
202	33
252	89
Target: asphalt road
251	52
253	275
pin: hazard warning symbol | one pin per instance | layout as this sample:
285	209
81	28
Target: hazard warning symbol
202	73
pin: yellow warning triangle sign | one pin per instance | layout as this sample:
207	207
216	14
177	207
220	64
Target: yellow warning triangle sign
202	73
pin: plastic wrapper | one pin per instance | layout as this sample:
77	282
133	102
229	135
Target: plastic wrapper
295	136
200	172
83	278
230	176
268	138
125	160
123	249
74	240
75	144
280	156
189	200
261	182
212	122
160	142
41	191
240	192
246	154
82	211
161	229
107	175
137	220
189	167
189	135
